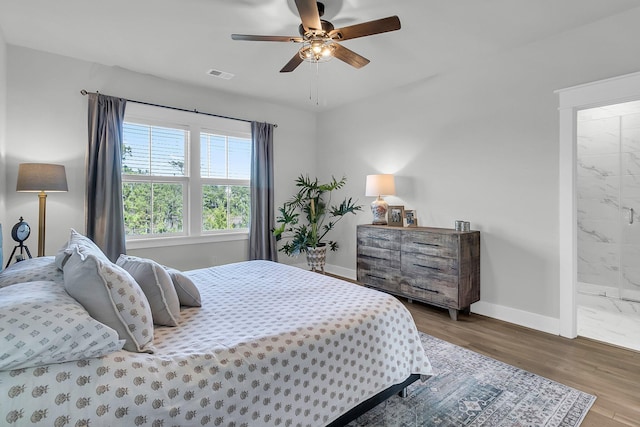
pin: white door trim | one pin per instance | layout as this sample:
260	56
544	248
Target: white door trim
604	92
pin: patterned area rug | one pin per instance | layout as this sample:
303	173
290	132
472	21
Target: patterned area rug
469	389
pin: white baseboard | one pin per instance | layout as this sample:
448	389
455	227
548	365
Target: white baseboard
341	271
519	317
333	269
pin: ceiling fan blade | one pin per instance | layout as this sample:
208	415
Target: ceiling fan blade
308	10
370	28
349	56
248	37
292	64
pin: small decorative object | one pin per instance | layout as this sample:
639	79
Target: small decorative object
378	186
463	225
307	217
410	218
20	232
396	216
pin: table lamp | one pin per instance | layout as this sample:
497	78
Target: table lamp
41	177
378	186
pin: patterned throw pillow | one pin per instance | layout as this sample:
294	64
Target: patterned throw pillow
157	287
77	239
41	324
188	293
111	296
31	270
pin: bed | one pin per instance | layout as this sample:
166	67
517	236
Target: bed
270	344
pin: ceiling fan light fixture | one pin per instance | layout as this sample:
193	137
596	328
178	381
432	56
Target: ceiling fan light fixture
317	50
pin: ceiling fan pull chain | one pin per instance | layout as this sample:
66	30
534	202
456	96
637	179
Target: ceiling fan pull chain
317	83
310	81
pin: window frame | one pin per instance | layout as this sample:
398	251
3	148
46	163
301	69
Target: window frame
195	124
218	181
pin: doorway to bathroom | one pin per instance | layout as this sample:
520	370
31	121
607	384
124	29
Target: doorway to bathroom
608	223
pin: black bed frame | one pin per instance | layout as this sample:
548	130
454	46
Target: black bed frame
368	404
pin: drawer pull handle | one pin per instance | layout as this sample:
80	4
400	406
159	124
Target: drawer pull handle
433	291
427	266
376	277
376	258
435	245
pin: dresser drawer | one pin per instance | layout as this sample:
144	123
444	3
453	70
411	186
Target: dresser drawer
378	258
422	264
441	290
375	237
387	280
442	245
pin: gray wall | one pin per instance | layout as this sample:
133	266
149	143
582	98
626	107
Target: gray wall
47	122
481	144
478	143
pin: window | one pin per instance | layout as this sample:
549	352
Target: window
153	179
173	187
225	169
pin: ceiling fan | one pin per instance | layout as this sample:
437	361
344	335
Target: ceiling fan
319	38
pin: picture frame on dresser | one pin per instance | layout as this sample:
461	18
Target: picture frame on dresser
410	218
395	216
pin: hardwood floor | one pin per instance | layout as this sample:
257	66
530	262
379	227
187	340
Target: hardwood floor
611	374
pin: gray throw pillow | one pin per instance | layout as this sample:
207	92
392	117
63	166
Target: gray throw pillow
188	293
111	296
77	239
157	286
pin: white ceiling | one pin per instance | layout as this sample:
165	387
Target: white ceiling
182	39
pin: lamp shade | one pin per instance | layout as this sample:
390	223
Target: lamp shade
41	177
380	185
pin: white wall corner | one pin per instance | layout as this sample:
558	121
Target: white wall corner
349	273
519	317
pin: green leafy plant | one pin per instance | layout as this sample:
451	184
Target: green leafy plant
307	218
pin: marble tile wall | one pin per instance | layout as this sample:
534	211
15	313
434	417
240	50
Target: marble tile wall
608	187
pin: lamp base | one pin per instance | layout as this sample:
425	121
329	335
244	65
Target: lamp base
379	210
42	218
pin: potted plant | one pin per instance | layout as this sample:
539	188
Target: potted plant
308	216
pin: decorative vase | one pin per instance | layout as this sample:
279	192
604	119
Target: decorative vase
379	210
316	257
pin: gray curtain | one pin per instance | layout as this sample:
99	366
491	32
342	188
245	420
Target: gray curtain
262	244
104	216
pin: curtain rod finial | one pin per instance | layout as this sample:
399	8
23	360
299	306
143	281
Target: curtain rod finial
83	92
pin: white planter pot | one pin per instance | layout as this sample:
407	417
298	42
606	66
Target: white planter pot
316	258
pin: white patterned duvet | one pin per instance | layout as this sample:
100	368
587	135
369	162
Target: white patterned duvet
272	345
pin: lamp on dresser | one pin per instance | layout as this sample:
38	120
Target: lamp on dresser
38	178
378	186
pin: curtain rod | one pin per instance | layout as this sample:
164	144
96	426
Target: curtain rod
84	92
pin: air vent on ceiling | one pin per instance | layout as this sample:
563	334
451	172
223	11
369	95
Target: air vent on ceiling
220	74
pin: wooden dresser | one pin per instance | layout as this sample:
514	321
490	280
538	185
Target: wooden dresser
437	266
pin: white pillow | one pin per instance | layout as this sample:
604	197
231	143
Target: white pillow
157	287
41	324
77	239
31	270
188	293
111	296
